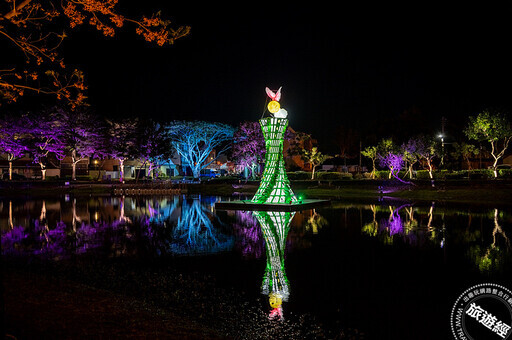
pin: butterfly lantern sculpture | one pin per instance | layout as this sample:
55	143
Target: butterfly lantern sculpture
274	107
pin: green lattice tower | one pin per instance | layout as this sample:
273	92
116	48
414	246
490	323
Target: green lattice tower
274	185
275	226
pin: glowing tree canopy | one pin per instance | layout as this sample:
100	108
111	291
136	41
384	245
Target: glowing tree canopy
274	186
275	226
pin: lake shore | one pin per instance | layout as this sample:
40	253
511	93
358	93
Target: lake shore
482	192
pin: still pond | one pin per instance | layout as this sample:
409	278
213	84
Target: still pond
388	269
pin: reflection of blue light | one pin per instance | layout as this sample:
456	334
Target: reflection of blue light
195	232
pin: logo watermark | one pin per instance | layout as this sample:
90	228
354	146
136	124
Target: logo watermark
483	311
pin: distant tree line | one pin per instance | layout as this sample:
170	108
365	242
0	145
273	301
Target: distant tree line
488	128
52	135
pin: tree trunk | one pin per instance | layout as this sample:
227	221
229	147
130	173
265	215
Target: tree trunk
121	169
10	170
43	171
73	174
313	172
196	173
495	167
73	165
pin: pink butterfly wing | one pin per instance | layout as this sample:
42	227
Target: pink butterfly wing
271	94
278	94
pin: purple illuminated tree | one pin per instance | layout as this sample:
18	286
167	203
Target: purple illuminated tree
384	148
394	162
84	137
154	145
14	137
410	154
195	140
248	146
47	138
122	138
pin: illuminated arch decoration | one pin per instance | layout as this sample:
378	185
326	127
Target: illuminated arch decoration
275	226
275	186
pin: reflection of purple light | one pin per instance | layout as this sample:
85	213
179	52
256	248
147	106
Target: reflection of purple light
248	232
395	225
12	238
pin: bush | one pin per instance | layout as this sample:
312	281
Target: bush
330	176
299	175
481	174
507	173
422	174
382	174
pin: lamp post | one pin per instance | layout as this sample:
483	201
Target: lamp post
442	148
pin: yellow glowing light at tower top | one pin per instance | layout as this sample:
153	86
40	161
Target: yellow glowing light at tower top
273	106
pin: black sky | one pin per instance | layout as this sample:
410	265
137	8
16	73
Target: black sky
360	67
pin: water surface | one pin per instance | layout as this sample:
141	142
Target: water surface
385	269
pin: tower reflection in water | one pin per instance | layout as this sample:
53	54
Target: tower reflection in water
275	226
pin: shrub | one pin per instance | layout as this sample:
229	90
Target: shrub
481	174
329	176
382	174
299	175
422	174
507	173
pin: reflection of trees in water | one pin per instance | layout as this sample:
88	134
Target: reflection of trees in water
248	234
494	256
315	222
488	246
195	230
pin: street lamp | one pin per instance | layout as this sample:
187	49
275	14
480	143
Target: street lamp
442	148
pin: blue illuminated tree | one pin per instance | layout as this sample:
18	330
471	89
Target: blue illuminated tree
195	140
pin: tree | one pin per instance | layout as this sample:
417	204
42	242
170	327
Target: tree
154	144
494	128
315	158
347	141
195	140
427	150
385	148
248	146
84	137
122	137
410	154
47	138
14	137
464	151
36	29
371	153
394	162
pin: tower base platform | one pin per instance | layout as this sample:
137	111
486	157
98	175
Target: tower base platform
248	205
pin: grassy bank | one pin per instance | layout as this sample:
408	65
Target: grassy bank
494	192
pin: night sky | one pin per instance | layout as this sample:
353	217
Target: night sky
378	70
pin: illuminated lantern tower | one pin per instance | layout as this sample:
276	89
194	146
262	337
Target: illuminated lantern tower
275	186
275	226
